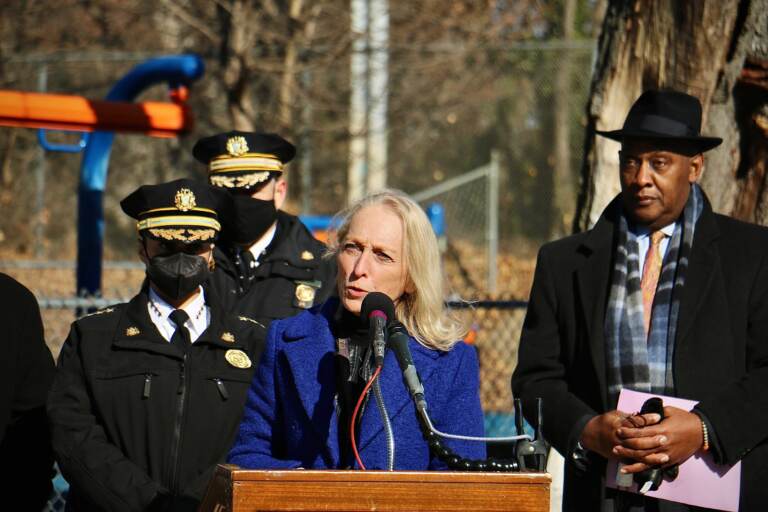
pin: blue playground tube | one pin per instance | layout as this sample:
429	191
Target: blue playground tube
176	70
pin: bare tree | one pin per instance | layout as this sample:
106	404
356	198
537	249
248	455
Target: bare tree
716	50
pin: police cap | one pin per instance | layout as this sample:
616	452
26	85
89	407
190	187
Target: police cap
243	159
183	210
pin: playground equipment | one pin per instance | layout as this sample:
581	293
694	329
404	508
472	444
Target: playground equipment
75	113
116	114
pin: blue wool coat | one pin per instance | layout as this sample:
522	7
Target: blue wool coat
290	417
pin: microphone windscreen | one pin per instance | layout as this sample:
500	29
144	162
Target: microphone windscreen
377	301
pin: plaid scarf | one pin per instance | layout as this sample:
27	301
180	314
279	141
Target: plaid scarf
633	360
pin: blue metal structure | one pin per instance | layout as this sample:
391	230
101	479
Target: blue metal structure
176	70
64	148
435	213
316	222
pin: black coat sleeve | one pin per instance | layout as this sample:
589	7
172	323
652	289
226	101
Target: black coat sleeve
739	413
92	464
541	370
25	449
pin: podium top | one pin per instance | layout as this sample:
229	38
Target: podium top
235	489
238	474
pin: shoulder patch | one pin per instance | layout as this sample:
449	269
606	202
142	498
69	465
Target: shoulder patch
251	320
104	311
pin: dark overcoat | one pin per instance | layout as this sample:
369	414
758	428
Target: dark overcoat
720	352
291	420
133	416
26	372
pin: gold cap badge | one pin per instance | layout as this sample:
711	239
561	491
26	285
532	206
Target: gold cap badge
228	337
307	256
237	358
237	146
132	331
184	200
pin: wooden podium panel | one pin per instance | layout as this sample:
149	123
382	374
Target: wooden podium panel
236	490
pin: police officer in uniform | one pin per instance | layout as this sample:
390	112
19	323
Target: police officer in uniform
148	395
268	265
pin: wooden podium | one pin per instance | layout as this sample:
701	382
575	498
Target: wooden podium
236	490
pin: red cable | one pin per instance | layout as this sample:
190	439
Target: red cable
366	389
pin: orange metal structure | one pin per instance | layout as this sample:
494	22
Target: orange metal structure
75	113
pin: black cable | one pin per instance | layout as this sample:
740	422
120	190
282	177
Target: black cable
454	461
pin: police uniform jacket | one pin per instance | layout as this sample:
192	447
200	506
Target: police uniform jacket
720	352
291	416
133	416
292	276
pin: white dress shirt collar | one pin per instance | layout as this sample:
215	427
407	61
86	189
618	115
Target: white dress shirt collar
260	246
160	311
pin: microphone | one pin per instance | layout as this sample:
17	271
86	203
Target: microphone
379	309
398	342
651	478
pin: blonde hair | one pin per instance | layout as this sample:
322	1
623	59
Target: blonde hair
422	311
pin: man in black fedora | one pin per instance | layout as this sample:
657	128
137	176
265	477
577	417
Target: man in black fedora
664	296
268	264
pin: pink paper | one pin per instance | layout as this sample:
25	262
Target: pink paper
701	482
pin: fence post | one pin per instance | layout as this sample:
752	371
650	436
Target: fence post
40	164
492	235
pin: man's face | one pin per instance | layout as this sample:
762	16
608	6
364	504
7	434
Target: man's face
273	189
656	179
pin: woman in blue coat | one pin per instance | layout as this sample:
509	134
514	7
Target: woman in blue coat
299	407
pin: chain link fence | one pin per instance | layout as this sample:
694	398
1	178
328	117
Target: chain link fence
495	326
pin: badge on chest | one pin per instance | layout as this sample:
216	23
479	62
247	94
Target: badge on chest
306	291
238	358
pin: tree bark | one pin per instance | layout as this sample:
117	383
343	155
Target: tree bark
241	29
564	177
707	48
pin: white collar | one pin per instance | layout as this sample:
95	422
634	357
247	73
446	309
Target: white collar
194	309
260	245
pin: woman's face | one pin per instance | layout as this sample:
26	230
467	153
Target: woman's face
371	257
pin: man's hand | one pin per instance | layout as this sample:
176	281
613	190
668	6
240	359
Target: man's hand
666	443
600	433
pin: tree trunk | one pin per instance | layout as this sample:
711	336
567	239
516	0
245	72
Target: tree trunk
241	30
564	177
288	82
716	50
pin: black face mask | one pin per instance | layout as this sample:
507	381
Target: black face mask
252	218
177	275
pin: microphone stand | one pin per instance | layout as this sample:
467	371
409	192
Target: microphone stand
536	448
398	340
376	387
387	425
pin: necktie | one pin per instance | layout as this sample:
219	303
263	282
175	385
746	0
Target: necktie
180	336
650	279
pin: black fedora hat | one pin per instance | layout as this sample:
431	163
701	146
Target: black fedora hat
664	115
